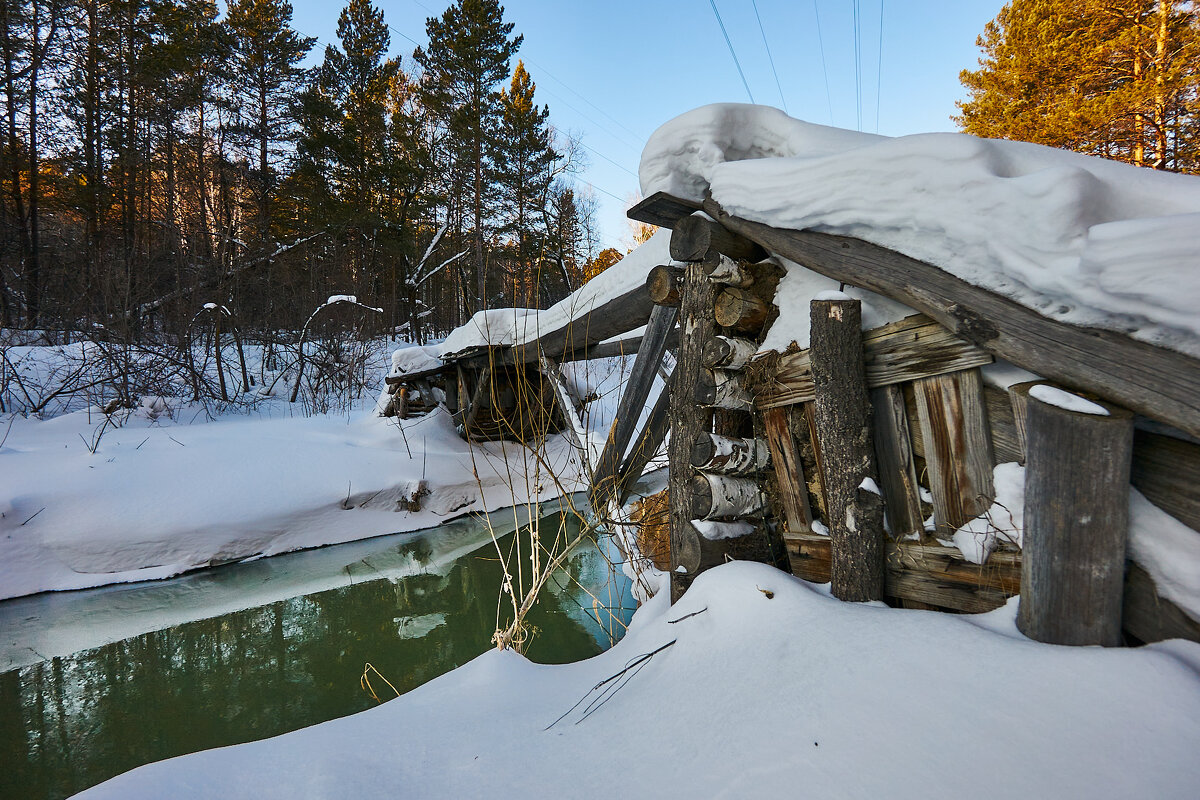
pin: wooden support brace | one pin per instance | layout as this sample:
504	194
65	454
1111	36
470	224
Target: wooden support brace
646	445
1076	520
843	417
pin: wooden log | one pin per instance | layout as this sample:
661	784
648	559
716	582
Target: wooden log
843	415
1160	383
662	284
1076	522
728	272
728	455
788	469
740	310
646	445
629	407
718	388
723	496
400	401
932	574
727	352
897	470
693	237
687	420
478	397
899	352
958	447
1151	617
1018	397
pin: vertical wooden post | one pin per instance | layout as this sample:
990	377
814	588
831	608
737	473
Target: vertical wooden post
1076	521
687	420
958	447
843	415
789	470
897	471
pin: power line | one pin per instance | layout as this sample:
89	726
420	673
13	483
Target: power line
879	68
857	62
770	57
736	63
824	64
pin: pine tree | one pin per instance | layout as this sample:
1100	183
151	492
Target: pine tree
468	56
267	76
1115	78
523	160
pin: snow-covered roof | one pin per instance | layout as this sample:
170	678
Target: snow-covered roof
1077	238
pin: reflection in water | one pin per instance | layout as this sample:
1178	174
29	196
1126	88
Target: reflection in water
71	722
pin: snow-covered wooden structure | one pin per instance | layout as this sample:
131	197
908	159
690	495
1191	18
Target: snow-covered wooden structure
933	418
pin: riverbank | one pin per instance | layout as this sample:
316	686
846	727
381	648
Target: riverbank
817	697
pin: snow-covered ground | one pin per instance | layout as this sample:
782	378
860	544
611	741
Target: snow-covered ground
767	687
172	488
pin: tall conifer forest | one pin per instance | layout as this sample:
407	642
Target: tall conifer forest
158	156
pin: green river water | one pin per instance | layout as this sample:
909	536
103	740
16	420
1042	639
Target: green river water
286	648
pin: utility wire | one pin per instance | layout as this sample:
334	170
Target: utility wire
770	57
824	64
879	68
736	63
857	62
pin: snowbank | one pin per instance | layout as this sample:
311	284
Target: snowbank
1076	238
769	685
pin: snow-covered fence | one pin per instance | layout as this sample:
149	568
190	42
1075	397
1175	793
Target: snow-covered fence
935	421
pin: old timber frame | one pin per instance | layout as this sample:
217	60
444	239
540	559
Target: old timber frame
805	451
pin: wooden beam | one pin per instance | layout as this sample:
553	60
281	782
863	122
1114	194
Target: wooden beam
1167	471
925	573
632	402
647	443
1160	383
1076	522
663	210
844	430
905	350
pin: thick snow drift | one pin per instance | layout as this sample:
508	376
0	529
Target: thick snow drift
770	688
1077	238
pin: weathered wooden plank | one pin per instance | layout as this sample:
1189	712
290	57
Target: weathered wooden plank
1076	523
1167	471
843	415
662	209
632	402
788	469
694	237
1006	446
911	348
958	447
1160	383
897	471
687	420
924	573
1150	617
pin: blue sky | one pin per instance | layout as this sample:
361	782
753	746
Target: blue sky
612	71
